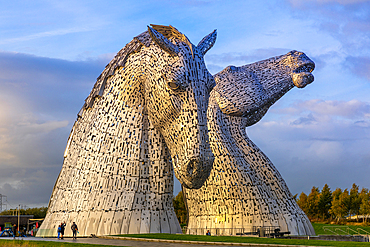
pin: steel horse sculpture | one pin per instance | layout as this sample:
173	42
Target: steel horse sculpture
144	118
245	191
156	110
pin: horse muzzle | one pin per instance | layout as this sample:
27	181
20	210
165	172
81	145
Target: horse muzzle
196	171
302	76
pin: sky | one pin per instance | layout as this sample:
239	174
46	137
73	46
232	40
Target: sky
51	53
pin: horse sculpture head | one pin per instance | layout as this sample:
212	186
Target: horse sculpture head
148	104
261	84
176	95
254	193
167	76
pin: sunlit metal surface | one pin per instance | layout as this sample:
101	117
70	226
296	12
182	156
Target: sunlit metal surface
144	119
156	111
245	190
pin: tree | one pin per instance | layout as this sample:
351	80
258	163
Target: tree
313	202
365	203
340	203
324	203
354	201
180	209
37	213
302	202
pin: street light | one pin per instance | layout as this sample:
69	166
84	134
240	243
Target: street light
18	216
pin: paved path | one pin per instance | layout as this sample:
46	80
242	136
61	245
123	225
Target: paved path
134	242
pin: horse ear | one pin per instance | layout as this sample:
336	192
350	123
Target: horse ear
207	42
163	42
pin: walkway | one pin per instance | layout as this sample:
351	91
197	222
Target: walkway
135	242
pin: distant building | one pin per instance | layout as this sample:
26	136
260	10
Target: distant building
13	219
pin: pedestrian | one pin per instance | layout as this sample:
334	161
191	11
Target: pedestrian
74	229
62	228
14	230
208	233
59	230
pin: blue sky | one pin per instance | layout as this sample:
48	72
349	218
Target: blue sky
51	53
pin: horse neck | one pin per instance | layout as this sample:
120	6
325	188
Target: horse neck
228	135
224	128
241	172
114	143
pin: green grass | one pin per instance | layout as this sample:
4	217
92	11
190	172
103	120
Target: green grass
317	226
25	243
247	240
319	229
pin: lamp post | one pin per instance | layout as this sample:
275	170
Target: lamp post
18	216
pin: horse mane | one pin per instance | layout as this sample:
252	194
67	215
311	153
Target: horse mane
120	59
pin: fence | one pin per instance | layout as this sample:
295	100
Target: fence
340	230
261	231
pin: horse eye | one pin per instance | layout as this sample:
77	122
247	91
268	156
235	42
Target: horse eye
172	85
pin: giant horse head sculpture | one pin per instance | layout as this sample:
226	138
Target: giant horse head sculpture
144	118
253	192
167	77
176	94
260	84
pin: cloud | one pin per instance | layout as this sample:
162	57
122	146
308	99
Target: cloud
359	65
49	86
305	120
45	34
349	109
352	109
252	56
217	62
325	140
29	186
346	20
39	99
342	2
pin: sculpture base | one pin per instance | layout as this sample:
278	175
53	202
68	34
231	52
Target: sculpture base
111	223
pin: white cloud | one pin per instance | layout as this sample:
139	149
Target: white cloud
359	65
39	100
46	34
37	128
352	109
20	136
346	21
316	141
343	2
255	55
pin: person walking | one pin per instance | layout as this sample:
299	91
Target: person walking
74	229
59	230
62	228
14	230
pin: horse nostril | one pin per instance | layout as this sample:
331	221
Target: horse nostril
190	171
191	167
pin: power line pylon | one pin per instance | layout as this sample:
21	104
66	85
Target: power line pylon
1	201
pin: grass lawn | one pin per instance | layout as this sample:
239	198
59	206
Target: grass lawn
24	243
319	229
247	240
